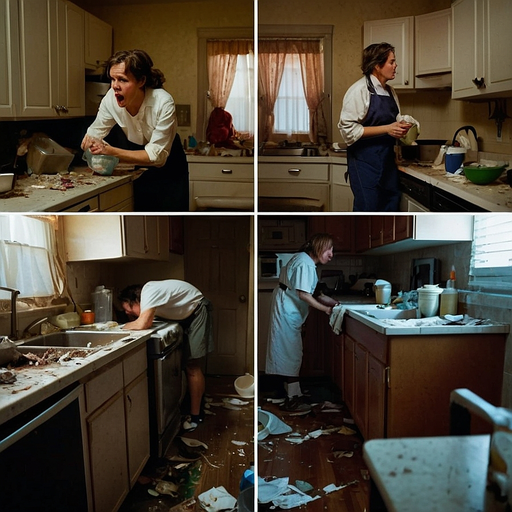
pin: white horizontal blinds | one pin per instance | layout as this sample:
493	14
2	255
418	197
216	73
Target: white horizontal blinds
27	257
491	258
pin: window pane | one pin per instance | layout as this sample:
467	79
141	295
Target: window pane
291	110
240	102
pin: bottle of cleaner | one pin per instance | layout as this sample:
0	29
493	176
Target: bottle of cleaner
449	297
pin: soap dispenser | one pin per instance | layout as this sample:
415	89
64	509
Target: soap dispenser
449	297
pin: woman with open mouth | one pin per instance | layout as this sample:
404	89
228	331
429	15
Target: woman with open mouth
137	123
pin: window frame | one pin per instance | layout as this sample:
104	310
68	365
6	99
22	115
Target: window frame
203	34
324	32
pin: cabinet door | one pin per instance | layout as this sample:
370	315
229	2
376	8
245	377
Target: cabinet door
403	227
313	360
108	457
137	426
339	227
147	237
98	41
39	57
336	342
8	57
348	372
362	233
376	230
376	399
400	33
468	64
360	409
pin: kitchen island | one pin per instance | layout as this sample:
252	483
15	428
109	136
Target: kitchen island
80	190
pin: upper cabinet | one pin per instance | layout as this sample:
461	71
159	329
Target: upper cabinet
8	57
98	41
482	64
398	32
422	45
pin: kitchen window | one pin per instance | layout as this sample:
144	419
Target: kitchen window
491	256
226	78
294	70
29	258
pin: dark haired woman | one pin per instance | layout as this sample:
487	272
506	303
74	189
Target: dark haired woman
291	301
368	124
137	117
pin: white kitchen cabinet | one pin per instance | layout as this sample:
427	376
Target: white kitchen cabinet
342	198
42	60
398	32
116	237
298	185
98	41
117	418
433	49
221	183
482	63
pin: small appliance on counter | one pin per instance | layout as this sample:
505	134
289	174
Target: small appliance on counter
425	271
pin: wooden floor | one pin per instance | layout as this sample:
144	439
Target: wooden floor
221	464
317	461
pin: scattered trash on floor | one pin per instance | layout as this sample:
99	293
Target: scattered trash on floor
339	454
217	499
239	443
269	423
331	407
346	431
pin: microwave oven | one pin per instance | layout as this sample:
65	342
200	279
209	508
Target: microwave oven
270	264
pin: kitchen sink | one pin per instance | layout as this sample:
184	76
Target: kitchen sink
387	313
76	339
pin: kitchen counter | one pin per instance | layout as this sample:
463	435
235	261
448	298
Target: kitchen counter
331	158
404	323
36	383
495	197
58	192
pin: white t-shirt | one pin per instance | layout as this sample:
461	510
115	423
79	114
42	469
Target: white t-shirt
172	298
154	126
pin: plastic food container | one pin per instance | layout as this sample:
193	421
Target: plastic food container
428	300
101	164
45	156
66	320
382	291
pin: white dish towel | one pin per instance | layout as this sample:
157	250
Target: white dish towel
336	318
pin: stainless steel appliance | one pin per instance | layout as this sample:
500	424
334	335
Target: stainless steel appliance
165	378
42	458
416	194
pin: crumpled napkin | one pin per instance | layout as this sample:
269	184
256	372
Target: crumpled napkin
216	499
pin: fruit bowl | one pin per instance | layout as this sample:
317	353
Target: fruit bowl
482	175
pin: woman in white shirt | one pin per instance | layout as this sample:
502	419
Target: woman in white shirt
137	117
369	127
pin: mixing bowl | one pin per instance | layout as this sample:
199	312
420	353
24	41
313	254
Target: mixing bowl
101	164
482	175
6	182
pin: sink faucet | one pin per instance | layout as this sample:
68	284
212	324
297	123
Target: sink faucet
35	323
14	313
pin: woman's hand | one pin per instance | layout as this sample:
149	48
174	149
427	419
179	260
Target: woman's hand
96	146
398	129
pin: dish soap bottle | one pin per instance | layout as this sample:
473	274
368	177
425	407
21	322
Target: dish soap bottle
449	297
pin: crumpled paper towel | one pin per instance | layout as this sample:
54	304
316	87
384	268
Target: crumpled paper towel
216	499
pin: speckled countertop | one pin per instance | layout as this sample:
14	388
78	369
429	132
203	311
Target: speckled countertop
36	383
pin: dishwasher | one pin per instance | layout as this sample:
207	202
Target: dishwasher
165	385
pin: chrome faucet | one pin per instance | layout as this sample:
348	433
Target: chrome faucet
35	323
14	312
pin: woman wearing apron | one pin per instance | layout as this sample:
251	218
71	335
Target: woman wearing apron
140	117
369	127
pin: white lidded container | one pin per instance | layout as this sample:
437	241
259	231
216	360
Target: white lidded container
382	291
102	304
428	299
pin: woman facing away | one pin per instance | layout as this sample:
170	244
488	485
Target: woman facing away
137	117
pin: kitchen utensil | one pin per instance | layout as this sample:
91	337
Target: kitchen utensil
482	175
382	291
6	182
45	156
454	158
100	164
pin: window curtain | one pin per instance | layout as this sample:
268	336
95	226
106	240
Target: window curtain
29	259
491	255
271	58
222	58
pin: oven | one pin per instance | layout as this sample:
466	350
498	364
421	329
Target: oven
416	194
42	464
165	384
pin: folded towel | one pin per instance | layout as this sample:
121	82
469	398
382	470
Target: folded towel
336	318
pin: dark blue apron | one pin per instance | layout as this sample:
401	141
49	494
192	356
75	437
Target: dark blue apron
371	160
159	189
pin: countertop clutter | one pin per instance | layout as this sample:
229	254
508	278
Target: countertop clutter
35	383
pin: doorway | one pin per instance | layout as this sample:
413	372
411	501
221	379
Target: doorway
217	262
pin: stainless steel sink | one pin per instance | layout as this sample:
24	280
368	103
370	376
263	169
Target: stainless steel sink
76	339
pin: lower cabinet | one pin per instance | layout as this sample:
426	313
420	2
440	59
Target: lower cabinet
399	386
117	419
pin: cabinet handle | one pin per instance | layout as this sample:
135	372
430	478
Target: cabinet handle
406	82
387	377
479	82
295	172
227	171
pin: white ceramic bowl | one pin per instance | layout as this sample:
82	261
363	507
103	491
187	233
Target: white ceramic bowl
6	182
244	386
